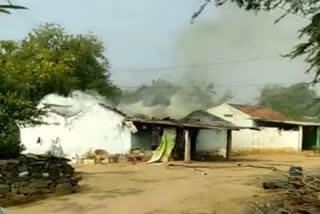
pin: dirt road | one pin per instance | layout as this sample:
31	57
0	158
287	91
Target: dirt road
150	189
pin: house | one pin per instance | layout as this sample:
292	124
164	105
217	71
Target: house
104	127
196	129
97	127
276	132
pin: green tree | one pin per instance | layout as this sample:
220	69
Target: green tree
295	101
55	62
47	61
305	8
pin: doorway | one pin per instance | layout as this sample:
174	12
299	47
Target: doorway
310	137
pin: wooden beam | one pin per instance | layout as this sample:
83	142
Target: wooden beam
187	147
229	144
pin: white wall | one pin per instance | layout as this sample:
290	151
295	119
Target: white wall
238	118
47	133
267	138
211	140
96	128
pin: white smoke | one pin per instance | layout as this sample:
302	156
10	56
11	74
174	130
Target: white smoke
76	102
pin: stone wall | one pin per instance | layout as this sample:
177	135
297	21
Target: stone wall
30	175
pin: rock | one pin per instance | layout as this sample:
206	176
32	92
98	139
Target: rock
62	180
76	189
4	188
23	174
28	190
37	163
20	184
32	156
23	160
39	183
19	198
45	190
31	175
295	171
75	179
22	168
45	174
68	170
10	173
274	185
64	189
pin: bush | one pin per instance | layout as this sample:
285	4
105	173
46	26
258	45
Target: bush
10	143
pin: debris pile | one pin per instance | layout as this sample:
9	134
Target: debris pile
31	176
301	194
139	155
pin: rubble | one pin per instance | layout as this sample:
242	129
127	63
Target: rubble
34	175
301	194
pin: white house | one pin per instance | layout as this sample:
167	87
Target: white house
276	132
98	127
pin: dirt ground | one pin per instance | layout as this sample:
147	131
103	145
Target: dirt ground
157	189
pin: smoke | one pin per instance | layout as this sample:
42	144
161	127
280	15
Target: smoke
241	51
165	99
76	102
236	50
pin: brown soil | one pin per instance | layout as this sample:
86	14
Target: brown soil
155	189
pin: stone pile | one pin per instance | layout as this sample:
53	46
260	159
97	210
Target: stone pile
35	175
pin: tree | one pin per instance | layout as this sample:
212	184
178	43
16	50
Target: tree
8	6
307	9
47	61
295	101
55	62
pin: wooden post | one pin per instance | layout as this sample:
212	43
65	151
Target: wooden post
229	144
300	141
187	147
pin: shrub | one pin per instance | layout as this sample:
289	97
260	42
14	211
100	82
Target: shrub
10	143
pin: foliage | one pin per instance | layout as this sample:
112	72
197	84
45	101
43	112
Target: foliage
8	6
47	61
14	111
295	101
308	9
51	61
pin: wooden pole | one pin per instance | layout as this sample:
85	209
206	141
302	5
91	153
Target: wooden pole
187	147
300	143
229	144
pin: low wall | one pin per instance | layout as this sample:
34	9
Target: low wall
30	175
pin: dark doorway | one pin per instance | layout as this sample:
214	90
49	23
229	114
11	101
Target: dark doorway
309	138
193	137
179	148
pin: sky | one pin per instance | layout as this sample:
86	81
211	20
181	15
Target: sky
152	39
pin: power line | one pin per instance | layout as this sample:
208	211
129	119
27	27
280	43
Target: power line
215	86
147	69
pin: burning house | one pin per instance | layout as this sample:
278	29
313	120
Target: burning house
103	127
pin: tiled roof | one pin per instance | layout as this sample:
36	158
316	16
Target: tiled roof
262	113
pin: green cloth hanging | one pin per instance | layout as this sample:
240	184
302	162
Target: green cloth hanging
166	146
